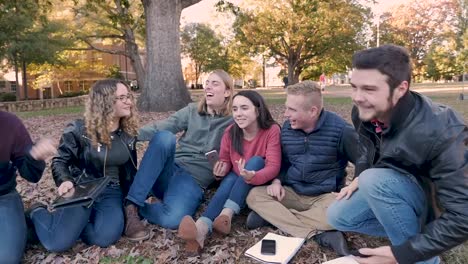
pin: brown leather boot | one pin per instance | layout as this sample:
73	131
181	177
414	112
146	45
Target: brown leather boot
134	228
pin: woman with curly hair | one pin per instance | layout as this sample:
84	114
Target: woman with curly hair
101	145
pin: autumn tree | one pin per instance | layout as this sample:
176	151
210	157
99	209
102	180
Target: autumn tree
302	33
440	62
72	65
27	36
114	27
419	25
203	46
156	24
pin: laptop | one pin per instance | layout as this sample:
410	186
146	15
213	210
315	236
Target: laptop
84	194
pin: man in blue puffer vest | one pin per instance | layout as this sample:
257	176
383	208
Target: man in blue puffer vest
316	145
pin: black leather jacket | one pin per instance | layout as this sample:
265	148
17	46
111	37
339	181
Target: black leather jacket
74	157
430	142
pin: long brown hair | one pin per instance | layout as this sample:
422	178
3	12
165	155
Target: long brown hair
265	119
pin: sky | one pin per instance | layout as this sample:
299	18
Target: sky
205	12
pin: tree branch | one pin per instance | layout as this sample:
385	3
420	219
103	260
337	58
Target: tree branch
187	3
118	52
105	36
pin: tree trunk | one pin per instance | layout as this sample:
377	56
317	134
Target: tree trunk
25	81
164	87
197	75
131	50
135	59
293	76
263	71
18	93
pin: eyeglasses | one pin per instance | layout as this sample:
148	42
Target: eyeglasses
123	98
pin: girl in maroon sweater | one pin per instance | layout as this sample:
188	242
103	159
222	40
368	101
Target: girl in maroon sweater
250	155
18	154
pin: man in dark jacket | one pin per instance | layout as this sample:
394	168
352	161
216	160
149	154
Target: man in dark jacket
408	146
17	153
317	145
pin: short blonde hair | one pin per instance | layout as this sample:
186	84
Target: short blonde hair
229	83
309	89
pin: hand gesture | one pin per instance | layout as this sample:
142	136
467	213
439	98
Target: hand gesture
219	170
43	149
66	189
347	191
380	255
276	190
246	174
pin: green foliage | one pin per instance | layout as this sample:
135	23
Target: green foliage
240	64
26	33
114	72
441	62
203	46
7	97
72	64
302	33
109	21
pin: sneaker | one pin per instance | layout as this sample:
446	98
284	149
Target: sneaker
135	230
254	221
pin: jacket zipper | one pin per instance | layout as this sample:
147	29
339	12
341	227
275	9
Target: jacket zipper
130	145
371	161
306	148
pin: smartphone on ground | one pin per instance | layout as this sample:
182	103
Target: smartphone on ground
268	247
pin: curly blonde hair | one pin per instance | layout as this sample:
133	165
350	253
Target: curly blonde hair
227	105
99	112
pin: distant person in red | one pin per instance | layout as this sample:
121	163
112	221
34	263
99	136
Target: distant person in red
17	154
323	81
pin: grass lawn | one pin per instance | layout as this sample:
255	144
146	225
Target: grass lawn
52	112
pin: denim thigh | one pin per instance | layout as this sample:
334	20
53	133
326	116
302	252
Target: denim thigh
12	228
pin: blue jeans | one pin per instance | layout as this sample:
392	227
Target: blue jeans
12	228
231	192
180	194
101	224
387	204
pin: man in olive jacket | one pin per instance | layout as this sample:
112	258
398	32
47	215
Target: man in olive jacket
412	152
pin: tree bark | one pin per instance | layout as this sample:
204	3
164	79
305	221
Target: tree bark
293	75
25	81
164	87
18	93
131	49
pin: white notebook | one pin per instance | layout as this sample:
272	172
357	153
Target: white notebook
286	248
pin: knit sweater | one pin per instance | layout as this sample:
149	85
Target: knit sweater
15	144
